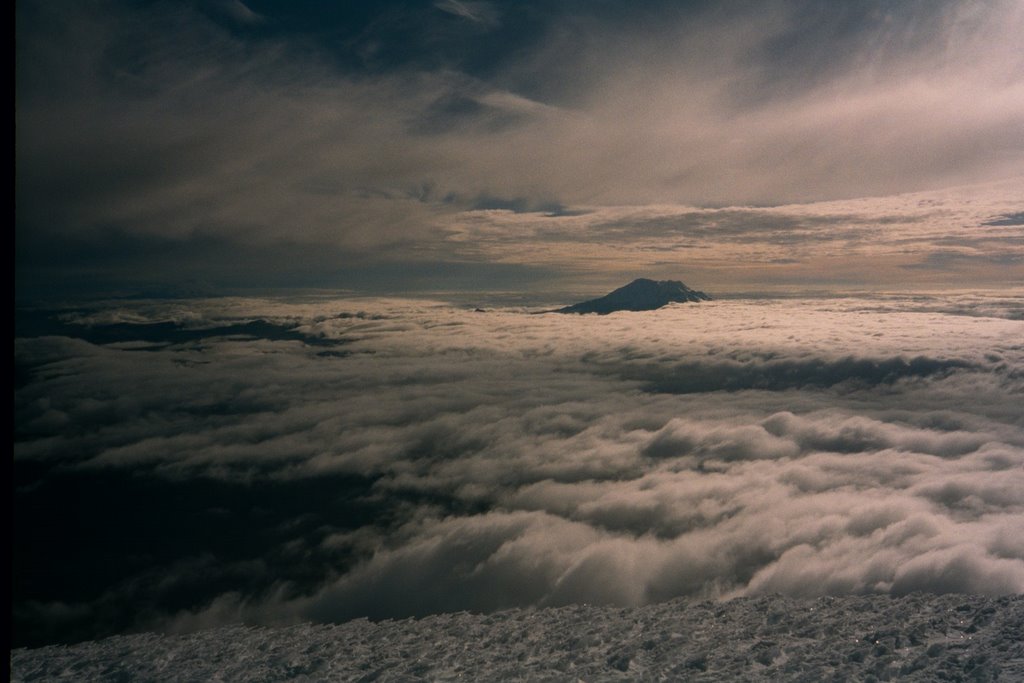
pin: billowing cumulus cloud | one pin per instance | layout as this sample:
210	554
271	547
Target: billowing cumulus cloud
276	460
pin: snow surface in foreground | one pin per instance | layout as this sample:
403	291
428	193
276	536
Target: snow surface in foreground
917	637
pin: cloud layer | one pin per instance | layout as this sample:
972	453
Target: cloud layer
405	458
258	153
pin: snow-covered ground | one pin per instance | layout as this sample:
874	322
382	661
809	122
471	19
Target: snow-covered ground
918	637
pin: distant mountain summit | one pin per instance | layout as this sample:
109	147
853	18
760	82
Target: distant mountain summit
639	295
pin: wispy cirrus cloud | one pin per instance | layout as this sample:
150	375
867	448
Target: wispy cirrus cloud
478	12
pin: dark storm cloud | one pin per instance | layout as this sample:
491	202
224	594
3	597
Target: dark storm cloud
450	459
118	263
1009	219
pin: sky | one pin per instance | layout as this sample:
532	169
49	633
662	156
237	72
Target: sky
405	147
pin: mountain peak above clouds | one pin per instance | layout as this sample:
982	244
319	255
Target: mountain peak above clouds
641	294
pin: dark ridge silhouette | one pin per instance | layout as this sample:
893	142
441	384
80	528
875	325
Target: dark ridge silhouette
33	323
639	295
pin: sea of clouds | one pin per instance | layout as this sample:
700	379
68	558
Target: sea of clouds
184	464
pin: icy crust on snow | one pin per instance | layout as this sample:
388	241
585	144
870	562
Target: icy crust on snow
911	638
